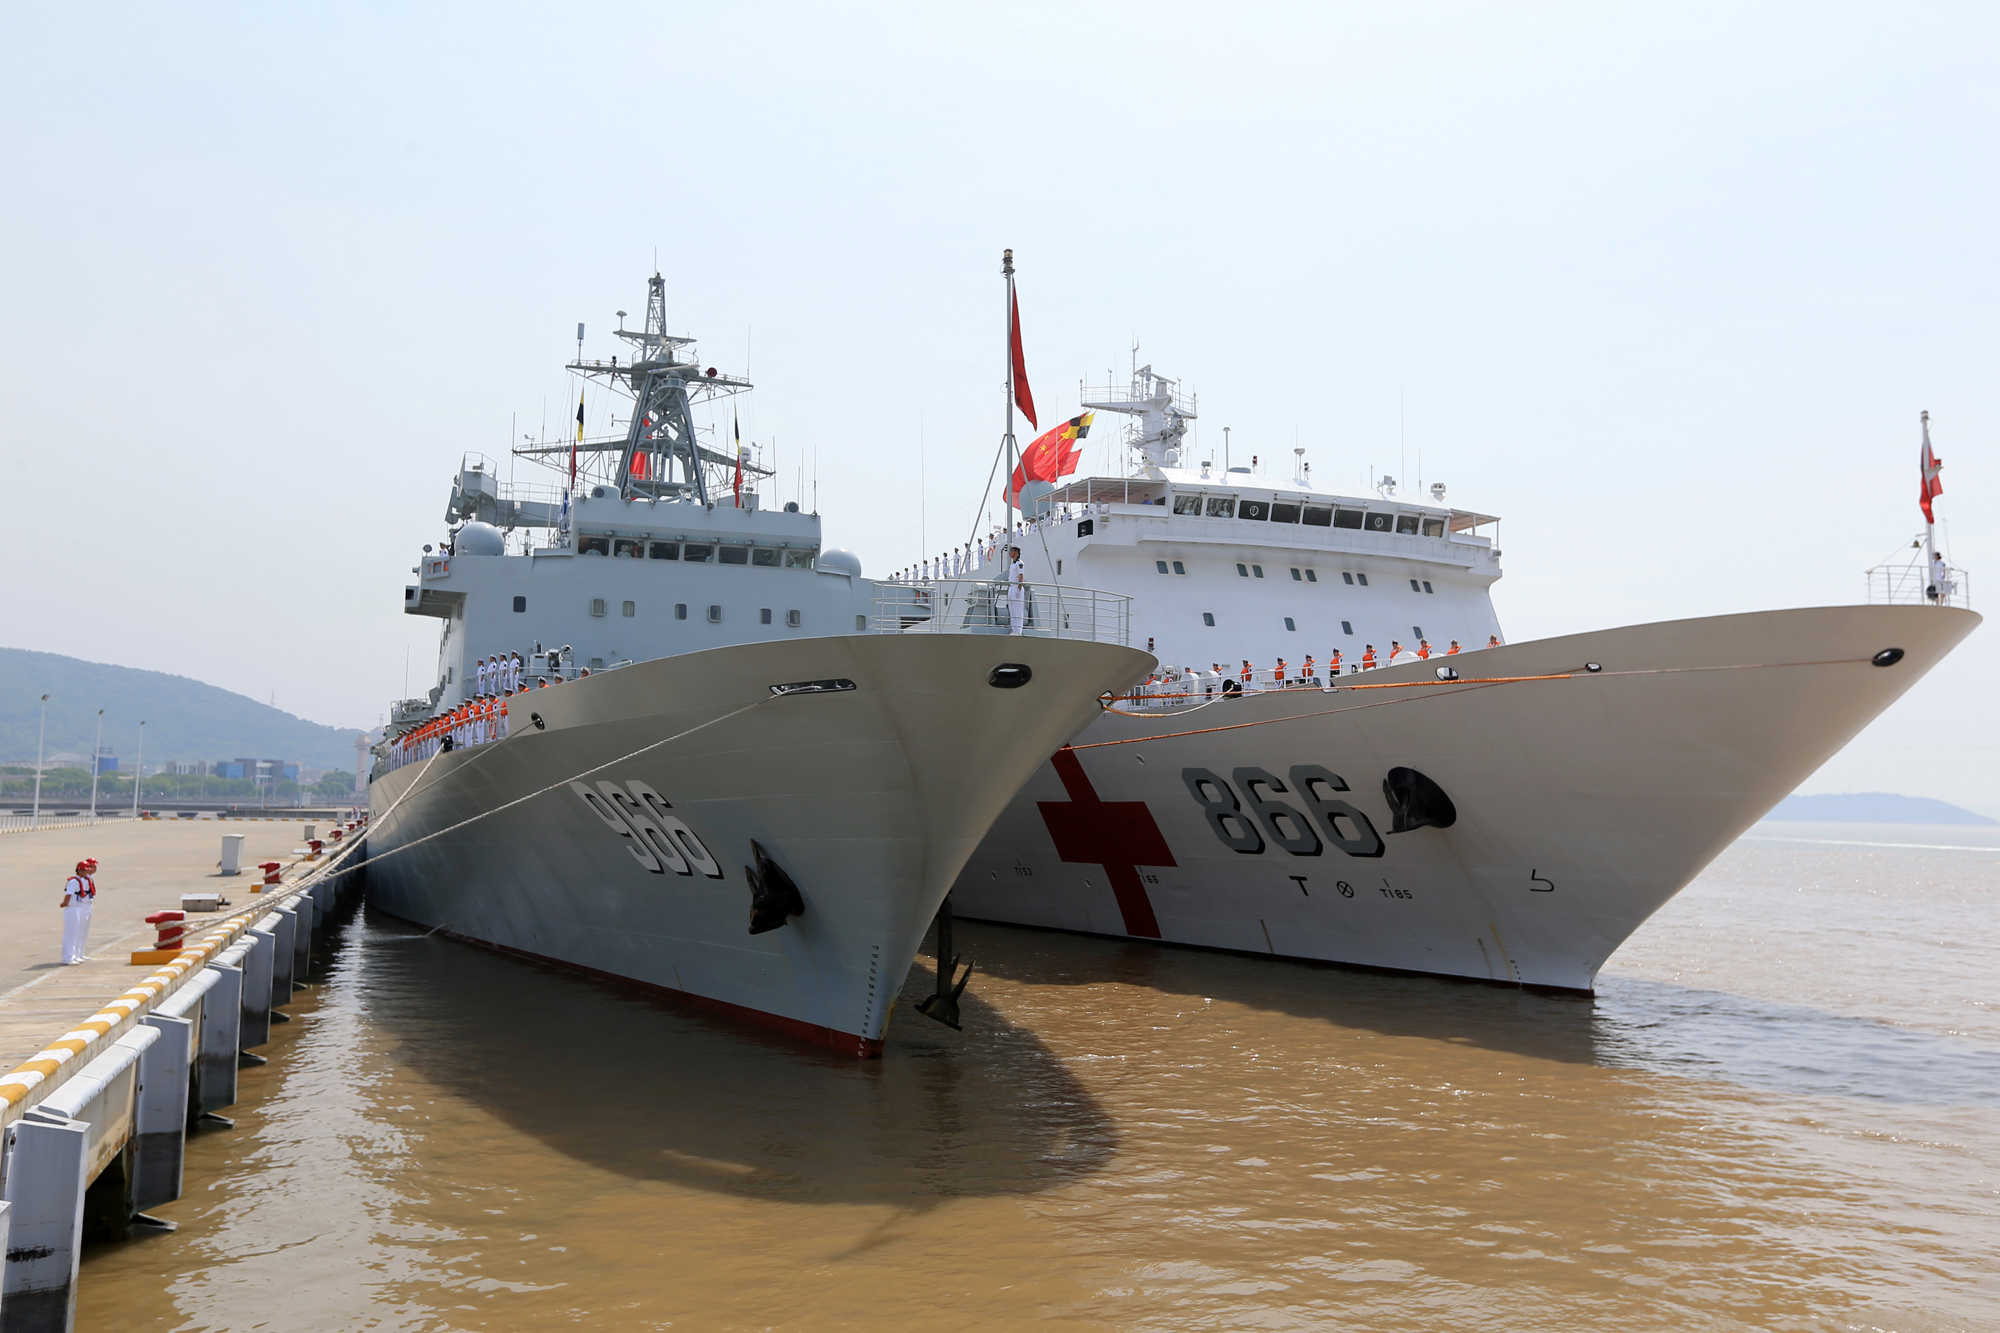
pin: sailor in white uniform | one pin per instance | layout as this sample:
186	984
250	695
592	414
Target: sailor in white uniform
79	892
1017	592
482	676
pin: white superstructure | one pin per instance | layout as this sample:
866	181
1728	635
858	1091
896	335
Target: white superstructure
1507	813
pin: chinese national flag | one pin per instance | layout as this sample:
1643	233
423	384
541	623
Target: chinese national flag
1055	454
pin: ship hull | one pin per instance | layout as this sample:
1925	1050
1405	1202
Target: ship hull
562	844
1578	805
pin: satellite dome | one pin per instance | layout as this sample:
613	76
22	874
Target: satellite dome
479	539
837	561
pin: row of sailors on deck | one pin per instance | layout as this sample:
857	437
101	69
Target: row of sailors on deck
472	723
973	556
1281	674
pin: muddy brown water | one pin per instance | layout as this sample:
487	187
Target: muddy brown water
1781	1111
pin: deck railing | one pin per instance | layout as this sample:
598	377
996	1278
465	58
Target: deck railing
1916	584
982	606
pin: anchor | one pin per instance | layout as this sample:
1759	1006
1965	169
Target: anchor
774	898
943	1006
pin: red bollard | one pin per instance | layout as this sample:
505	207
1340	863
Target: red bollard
172	926
315	844
270	869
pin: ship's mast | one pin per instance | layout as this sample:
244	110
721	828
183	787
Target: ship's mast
1163	413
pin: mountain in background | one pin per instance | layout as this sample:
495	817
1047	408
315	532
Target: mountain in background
1874	807
185	719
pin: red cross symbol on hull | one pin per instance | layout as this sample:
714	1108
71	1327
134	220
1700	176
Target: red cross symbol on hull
1118	835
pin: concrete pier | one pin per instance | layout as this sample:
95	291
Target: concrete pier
113	1064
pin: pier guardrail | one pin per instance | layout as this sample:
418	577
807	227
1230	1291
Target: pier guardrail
982	606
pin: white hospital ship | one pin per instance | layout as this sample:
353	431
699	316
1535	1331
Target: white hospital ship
751	779
1509	813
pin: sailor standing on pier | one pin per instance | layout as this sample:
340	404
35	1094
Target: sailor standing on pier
1017	591
79	891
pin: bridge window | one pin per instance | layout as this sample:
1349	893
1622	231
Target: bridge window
1254	509
1318	516
1346	627
630	609
1433	527
697	553
664	550
1284	513
1347	576
1350	518
1208	618
1362	579
1187	504
1221	506
1406	524
628	547
1243	571
597	606
764	557
593	546
520	603
1378	522
733	555
1427	585
799	559
1415	586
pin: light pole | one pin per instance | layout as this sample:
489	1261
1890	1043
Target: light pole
139	771
96	749
35	820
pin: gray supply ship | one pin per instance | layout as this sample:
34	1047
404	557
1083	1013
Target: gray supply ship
1510	813
750	778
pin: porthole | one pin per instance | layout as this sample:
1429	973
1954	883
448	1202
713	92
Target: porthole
1311	577
1243	571
1257	570
715	615
1179	568
629	609
680	610
1415	586
597	606
1058	569
860	624
1289	625
1427	586
1160	565
792	619
1298	577
1347	627
1349	578
1417	630
764	616
520	603
1208	618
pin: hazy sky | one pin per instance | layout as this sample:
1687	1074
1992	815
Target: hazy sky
1664	286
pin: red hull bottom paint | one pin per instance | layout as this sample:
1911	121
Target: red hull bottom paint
847	1043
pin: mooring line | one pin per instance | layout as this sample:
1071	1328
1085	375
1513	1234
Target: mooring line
595	768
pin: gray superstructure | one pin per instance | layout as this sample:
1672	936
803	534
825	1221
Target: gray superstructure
733	716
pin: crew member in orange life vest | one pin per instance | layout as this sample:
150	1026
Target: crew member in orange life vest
1368	658
1246	671
1278	672
1454	648
1333	664
79	891
1308	673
